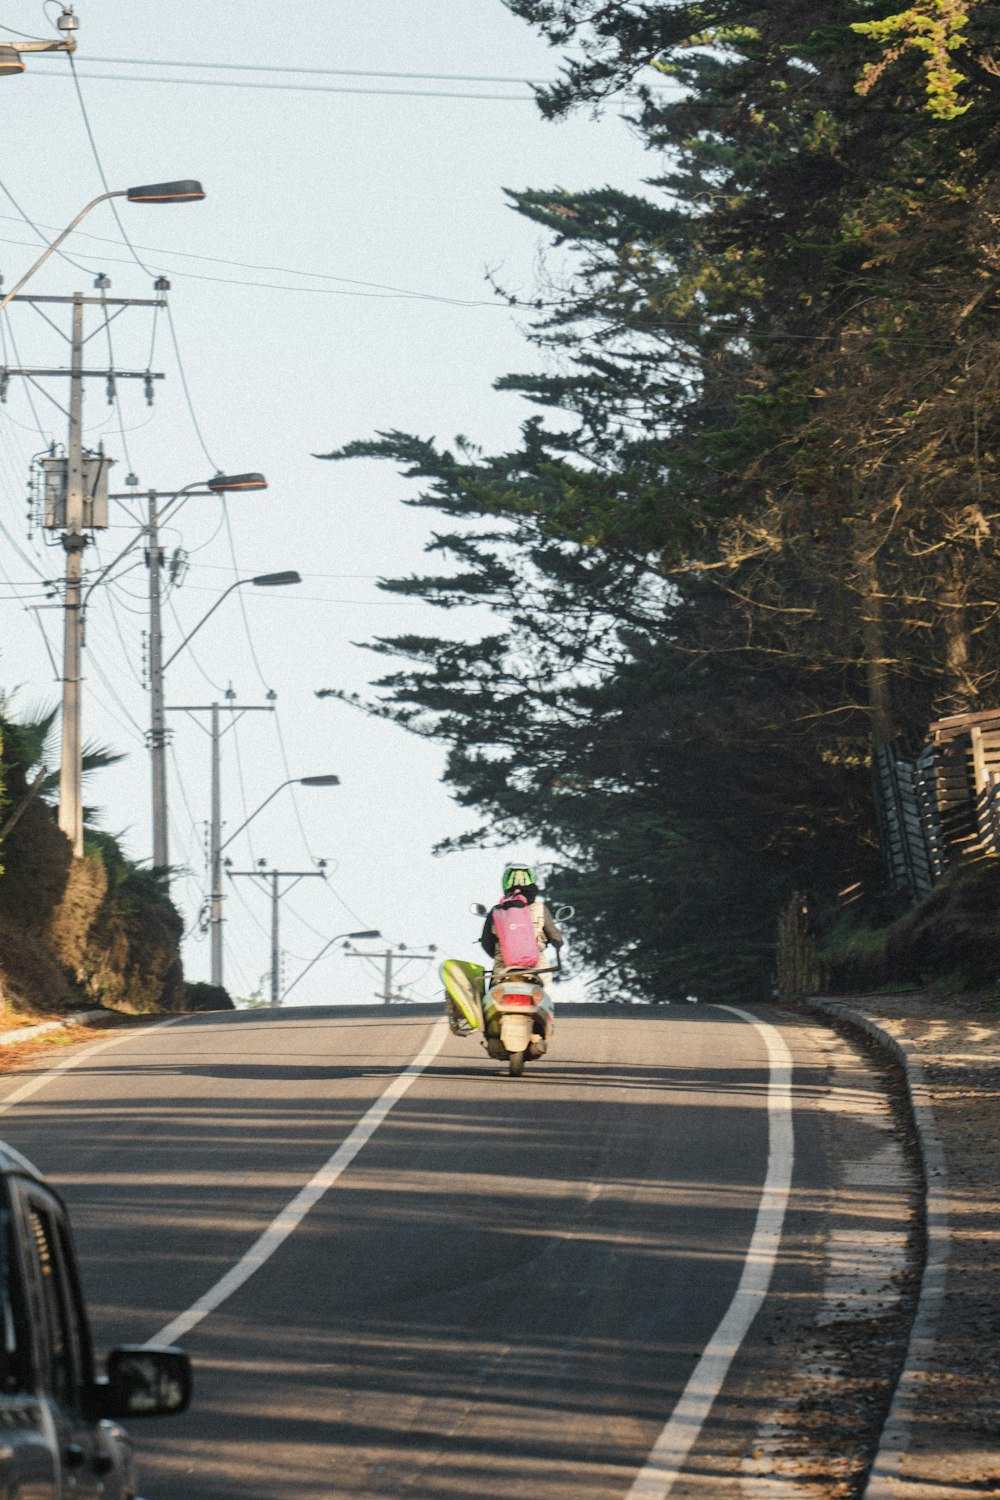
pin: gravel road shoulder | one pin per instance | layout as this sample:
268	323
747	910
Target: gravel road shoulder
954	1439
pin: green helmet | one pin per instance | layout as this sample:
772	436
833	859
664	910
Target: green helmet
518	875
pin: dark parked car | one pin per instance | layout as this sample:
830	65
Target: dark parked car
58	1433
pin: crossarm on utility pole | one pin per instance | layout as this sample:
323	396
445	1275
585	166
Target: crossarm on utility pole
275	877
216	897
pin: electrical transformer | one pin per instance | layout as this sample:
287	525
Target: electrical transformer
96	468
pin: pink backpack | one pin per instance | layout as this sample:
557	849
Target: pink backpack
515	930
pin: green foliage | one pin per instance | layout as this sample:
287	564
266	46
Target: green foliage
200	996
949	941
935	29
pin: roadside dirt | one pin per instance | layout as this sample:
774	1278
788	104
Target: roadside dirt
955	1441
49	1044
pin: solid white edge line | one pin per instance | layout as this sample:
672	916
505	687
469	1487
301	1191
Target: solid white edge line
295	1211
667	1457
36	1084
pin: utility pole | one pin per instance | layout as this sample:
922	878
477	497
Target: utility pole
158	724
157	738
74	541
76	504
215	733
275	877
401	955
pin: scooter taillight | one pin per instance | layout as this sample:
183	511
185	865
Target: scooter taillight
519	997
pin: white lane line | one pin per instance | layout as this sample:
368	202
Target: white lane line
294	1212
34	1085
669	1453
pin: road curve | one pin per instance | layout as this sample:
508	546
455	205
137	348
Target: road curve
504	1293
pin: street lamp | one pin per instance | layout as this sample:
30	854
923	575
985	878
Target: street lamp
222	482
354	936
184	191
10	52
218	484
216	848
10	61
292	781
260	580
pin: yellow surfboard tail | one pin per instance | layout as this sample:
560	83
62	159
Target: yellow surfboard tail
464	985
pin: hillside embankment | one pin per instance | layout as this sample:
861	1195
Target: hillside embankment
83	932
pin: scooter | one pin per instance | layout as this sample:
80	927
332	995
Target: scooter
514	1016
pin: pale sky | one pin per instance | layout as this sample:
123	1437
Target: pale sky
402	191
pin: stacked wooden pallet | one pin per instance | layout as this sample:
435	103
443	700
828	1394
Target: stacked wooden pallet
941	805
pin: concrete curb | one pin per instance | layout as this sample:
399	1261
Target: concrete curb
25	1033
885	1480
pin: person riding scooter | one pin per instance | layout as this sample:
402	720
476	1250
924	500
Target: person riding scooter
520	889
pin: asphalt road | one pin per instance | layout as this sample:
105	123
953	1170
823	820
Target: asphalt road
503	1294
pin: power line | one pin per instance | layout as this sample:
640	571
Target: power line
242	602
113	381
234	960
180	628
121	639
99	164
38	231
294	789
187	394
316	931
349	909
36	614
243	791
7	328
381	291
328	291
305	88
181	781
28	562
157	62
109	688
222	567
28	36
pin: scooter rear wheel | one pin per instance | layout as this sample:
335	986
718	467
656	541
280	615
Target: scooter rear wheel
516	1064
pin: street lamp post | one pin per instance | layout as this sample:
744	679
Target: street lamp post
183	191
74	539
215	914
220	484
354	936
259	580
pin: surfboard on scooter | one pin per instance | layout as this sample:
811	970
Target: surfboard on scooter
513	1015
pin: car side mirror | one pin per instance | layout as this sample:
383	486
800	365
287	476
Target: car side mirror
145	1382
563	913
478	909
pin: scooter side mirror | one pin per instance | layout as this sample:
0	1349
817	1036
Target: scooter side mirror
478	909
563	913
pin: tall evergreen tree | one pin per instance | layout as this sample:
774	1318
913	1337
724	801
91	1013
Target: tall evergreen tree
769	535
